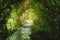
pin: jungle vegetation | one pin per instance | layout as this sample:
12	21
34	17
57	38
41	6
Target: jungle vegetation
44	15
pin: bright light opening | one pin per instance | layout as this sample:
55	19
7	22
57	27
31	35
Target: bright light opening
28	16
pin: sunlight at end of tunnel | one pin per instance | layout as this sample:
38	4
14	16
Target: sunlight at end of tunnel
28	16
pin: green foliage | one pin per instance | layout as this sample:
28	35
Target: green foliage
48	22
5	10
21	34
48	18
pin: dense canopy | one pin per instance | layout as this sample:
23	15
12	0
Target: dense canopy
42	15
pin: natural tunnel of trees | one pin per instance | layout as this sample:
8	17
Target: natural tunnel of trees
37	19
